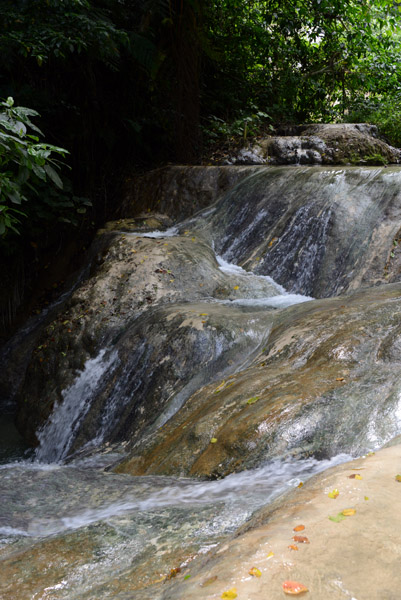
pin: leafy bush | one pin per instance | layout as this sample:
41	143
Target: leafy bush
30	185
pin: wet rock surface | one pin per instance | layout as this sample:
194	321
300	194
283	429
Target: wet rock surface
328	381
134	274
316	231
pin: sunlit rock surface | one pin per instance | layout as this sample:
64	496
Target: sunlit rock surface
357	557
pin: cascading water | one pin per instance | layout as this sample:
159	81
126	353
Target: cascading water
314	231
57	435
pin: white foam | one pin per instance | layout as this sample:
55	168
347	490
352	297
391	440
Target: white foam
170	232
274	302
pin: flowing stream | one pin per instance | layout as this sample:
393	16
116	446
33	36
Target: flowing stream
143	526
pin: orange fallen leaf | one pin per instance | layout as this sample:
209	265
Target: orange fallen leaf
255	572
301	539
294	588
299	528
339	378
272	241
348	512
300	484
292	547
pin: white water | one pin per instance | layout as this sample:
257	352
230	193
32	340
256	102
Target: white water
235	497
284	300
170	232
57	435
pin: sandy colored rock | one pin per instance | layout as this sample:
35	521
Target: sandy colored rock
357	557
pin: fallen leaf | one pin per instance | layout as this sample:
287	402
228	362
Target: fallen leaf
355	476
293	547
213	440
187	576
272	241
229	594
294	588
209	581
255	572
349	512
300	484
219	387
173	573
301	539
203	314
337	518
339	378
333	494
252	400
299	528
270	555
398	477
370	454
366	498
236	287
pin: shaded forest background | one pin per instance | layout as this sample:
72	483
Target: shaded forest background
125	85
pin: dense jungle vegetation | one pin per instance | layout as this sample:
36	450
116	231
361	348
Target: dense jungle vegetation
116	85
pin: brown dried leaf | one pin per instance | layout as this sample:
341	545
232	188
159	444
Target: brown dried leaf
301	539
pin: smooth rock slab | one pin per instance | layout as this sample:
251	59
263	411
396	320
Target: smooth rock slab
358	557
329	381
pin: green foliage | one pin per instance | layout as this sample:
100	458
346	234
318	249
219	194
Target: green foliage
30	184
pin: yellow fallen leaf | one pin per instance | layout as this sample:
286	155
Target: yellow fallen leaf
355	476
398	477
366	498
219	387
236	287
229	594
300	484
333	494
255	572
270	555
348	512
213	440
203	314
252	400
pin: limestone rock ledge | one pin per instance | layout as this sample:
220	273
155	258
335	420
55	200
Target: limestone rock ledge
329	144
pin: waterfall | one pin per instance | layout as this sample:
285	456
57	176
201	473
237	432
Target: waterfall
56	437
